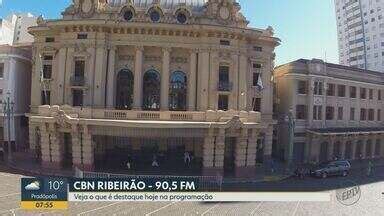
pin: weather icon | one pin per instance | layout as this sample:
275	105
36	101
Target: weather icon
33	186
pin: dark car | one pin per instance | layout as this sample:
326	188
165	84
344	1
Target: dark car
332	168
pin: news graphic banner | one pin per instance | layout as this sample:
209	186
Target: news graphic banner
55	193
44	193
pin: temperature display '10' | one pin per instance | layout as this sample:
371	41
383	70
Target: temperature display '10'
55	185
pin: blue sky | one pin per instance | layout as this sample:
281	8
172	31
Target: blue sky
307	28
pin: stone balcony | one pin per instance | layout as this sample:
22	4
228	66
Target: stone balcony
184	116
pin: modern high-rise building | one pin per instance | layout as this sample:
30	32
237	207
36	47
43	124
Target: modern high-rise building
360	26
13	29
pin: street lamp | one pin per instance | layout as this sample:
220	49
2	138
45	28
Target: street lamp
8	111
289	119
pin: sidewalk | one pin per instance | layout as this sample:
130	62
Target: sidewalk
27	164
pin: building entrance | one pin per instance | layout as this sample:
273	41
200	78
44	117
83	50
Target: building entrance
163	156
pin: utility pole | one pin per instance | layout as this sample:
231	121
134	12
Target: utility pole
8	111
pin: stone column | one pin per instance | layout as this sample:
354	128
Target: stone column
35	85
381	146
311	103
343	146
61	75
77	142
32	137
243	91
234	75
111	78
267	160
373	145
203	81
307	148
245	154
52	151
99	97
364	147
164	97
354	146
138	85
213	80
46	150
192	81
70	71
88	150
331	147
315	149
212	162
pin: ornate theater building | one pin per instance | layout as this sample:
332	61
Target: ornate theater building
153	80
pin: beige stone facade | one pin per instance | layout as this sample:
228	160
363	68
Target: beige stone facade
137	73
337	111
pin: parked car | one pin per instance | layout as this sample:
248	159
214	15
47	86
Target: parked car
332	168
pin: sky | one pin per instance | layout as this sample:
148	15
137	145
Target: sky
307	28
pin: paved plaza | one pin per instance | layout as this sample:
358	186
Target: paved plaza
371	202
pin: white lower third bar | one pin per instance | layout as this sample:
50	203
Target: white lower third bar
200	196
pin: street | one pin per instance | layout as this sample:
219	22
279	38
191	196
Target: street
371	202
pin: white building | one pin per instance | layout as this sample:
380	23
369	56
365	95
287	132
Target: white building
13	29
15	82
15	76
360	26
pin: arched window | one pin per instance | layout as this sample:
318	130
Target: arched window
178	91
151	90
124	90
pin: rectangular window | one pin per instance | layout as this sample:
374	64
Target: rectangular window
82	36
379	94
256	77
224	74
340	113
48	58
79	68
77	98
45	98
223	102
379	115
1	70
370	94
318	90
331	89
225	42
49	39
352	114
258	48
302	87
363	114
371	115
256	104
363	93
330	113
301	112
352	92
341	90
47	66
1	91
317	112
47	71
